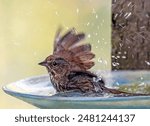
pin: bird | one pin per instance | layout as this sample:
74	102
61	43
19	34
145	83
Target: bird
70	63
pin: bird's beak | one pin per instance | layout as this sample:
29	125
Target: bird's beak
44	63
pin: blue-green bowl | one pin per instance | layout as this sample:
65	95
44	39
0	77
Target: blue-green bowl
39	92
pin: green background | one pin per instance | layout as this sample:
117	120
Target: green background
27	29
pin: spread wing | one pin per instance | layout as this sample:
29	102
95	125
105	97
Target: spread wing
69	47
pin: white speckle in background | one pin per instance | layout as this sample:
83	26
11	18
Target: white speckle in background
35	53
114	57
125	14
142	27
56	12
96	16
148	63
115	64
77	10
142	84
118	57
125	52
100	60
89	36
128	15
93	11
98	41
88	24
103	39
124	57
66	27
117	83
115	16
129	4
147	15
120	44
141	78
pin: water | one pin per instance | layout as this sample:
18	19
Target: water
135	88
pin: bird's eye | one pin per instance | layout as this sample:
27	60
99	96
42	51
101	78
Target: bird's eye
54	63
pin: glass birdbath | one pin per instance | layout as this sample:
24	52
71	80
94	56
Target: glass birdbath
39	92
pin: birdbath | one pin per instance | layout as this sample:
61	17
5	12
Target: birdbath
39	92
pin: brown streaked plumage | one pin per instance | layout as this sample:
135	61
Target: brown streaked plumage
69	64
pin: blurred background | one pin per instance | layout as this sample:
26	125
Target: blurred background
27	30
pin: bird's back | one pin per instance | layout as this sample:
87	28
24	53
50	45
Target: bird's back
85	81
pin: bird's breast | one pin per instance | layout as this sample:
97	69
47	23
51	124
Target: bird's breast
57	83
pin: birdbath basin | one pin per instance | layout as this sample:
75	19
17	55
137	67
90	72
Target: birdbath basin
39	92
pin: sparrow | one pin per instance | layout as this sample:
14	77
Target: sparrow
68	66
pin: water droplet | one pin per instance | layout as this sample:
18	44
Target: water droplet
93	11
100	60
115	64
142	84
96	16
88	24
142	27
120	44
56	13
129	4
118	56
89	36
35	53
128	15
141	78
124	57
148	63
117	83
115	16
77	10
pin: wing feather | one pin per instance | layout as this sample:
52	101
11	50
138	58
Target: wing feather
69	47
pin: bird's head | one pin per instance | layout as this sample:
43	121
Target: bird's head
56	65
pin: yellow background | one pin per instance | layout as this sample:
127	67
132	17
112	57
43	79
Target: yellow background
27	29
